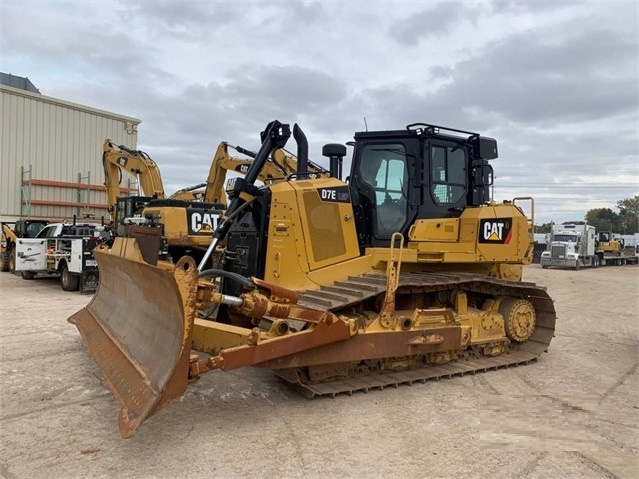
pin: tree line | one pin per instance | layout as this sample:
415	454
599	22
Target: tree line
626	221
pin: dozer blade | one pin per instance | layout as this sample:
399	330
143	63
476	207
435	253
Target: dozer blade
138	327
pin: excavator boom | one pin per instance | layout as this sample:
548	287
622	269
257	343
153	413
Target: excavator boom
116	159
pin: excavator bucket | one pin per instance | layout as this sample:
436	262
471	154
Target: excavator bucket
138	327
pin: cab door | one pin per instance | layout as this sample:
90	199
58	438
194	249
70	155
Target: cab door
383	186
445	172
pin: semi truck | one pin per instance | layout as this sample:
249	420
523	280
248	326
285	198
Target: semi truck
572	244
576	244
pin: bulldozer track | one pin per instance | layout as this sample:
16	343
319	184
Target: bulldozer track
359	288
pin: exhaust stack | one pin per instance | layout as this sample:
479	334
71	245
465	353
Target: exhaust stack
302	150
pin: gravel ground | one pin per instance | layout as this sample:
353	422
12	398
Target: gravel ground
573	413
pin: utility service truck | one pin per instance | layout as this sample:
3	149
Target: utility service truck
65	250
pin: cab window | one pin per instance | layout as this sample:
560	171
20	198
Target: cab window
448	174
33	229
47	232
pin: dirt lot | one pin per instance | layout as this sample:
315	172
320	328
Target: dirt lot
573	413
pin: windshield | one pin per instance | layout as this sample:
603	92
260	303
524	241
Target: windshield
566	238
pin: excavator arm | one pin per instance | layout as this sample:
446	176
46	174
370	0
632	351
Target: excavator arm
190	193
116	159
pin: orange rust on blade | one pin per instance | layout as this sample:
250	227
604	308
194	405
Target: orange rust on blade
136	398
278	293
144	362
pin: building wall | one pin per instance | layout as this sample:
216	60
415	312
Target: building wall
51	155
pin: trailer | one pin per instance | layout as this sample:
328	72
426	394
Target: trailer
627	254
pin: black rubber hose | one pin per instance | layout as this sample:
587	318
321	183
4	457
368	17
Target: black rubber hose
238	278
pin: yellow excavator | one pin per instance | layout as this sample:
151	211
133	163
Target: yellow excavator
184	226
407	271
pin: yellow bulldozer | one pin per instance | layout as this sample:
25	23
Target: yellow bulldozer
609	242
405	272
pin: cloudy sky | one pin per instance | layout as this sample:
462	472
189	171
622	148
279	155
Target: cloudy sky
556	82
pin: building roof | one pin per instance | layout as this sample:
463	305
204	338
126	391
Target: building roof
15	81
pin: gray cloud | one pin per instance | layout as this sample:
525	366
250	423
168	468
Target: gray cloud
554	82
438	20
527	78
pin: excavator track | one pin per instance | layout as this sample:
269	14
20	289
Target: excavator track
345	294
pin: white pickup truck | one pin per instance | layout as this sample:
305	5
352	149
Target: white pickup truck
64	249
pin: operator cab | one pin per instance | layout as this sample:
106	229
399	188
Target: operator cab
128	207
29	228
401	176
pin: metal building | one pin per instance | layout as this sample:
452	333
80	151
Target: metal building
51	154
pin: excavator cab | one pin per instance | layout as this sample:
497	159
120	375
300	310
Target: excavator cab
128	207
